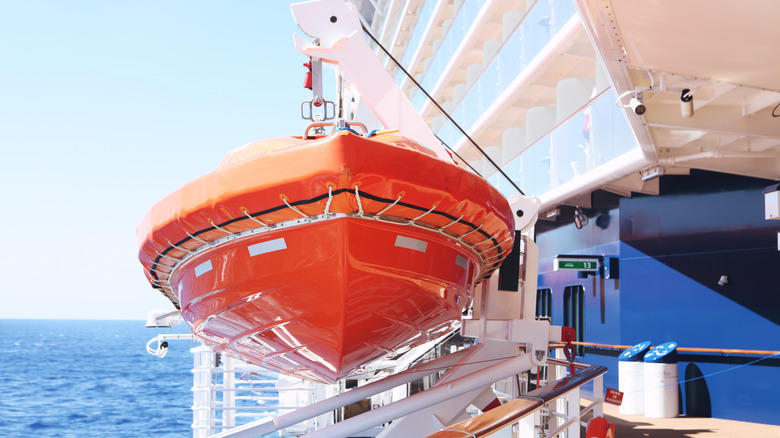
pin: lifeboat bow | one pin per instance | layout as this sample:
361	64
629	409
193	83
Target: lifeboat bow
315	256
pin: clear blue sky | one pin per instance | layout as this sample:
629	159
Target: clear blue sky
106	107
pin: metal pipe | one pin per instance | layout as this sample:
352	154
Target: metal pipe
245	408
264	426
676	159
229	397
686	349
563	363
427	398
630	162
682	158
252	389
567	422
521	407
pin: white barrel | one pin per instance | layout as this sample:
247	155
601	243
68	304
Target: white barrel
631	379
661	382
631	383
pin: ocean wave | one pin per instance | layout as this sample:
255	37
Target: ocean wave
76	378
40	424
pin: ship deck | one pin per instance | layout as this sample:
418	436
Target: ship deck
636	426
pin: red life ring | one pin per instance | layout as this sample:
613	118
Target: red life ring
599	427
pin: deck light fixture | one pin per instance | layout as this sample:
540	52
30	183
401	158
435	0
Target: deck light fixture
636	105
602	221
686	103
652	172
162	318
580	220
552	215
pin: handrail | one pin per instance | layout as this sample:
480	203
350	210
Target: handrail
514	410
266	426
682	349
564	363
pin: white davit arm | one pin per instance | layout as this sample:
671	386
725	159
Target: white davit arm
526	209
341	42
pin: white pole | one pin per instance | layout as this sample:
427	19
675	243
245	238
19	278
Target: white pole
427	398
264	426
598	395
201	399
573	408
229	396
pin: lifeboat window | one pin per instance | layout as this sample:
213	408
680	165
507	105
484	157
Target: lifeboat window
544	303
574	313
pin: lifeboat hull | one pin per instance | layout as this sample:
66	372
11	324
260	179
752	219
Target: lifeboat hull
320	299
315	257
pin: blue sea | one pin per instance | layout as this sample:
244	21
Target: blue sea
66	378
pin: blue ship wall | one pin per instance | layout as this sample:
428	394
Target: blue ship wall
673	249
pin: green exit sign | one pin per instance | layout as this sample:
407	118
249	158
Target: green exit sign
570	263
578	266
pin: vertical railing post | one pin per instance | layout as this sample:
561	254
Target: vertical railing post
561	405
598	395
228	393
526	427
202	398
573	411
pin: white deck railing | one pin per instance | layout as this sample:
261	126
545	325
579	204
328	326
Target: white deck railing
229	395
549	411
235	399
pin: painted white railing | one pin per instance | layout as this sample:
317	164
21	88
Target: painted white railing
228	393
548	411
235	399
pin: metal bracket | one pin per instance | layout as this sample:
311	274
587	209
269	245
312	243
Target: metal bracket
314	83
328	110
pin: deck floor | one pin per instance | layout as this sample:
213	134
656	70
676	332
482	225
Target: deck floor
638	426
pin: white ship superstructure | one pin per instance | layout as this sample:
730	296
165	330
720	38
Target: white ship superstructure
545	88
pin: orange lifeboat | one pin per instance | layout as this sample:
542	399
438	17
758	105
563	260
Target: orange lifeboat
317	256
